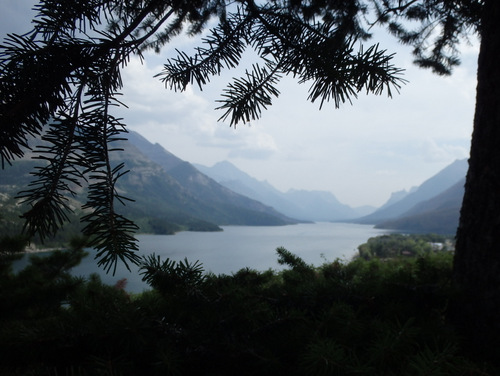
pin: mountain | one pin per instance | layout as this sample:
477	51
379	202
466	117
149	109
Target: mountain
395	197
430	188
154	152
439	214
161	204
169	194
319	206
364	210
205	198
301	204
172	195
238	181
450	198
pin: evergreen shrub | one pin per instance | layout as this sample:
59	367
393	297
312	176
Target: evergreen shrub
364	317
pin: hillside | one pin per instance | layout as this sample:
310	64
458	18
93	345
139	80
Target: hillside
164	201
438	215
214	202
429	189
173	195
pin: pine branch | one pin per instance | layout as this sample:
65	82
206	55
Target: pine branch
440	27
369	70
245	98
225	47
111	234
47	196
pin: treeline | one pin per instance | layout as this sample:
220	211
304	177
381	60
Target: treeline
11	230
376	317
396	245
11	227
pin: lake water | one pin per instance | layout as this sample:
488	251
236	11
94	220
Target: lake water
238	247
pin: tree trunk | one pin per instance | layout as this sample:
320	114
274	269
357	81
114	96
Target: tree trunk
476	310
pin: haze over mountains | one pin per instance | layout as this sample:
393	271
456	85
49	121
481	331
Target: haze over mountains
433	206
427	190
440	214
173	195
301	204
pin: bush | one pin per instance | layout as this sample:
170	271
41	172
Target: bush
397	245
375	317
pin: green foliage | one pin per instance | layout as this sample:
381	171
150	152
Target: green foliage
171	277
326	357
433	29
361	318
40	288
395	245
10	250
78	242
12	244
285	257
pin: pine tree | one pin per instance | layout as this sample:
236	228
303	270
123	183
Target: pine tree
477	260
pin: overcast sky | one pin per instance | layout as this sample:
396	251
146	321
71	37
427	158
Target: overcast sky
360	152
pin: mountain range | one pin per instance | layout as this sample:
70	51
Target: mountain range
169	194
305	205
173	195
433	206
439	214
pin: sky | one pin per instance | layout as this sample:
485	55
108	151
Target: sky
361	152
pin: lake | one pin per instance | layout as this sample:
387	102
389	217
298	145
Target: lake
238	247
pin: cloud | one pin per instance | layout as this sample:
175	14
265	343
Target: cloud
255	145
16	16
186	119
443	152
147	97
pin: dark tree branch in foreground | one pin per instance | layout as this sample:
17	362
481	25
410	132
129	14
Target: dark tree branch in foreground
60	82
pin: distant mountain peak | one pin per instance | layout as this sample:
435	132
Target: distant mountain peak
224	164
434	186
303	204
154	152
397	196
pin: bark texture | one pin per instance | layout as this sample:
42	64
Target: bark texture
477	260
